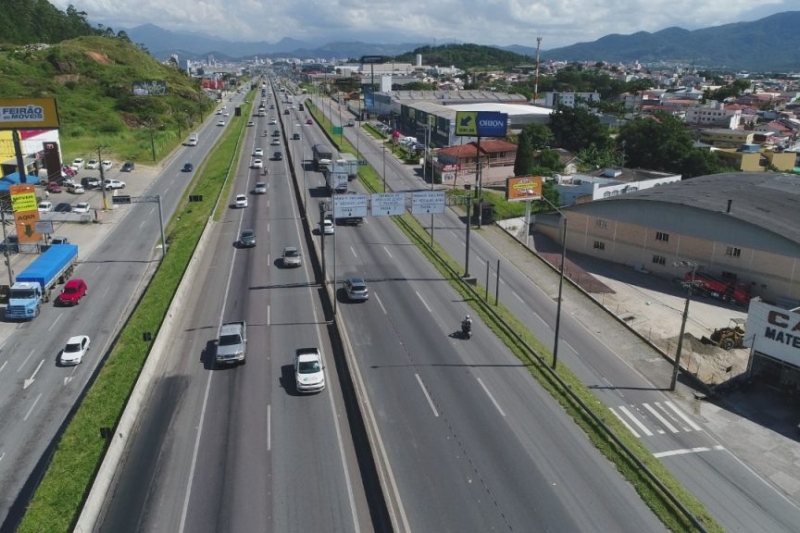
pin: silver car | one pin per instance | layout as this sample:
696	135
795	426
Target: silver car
292	257
356	290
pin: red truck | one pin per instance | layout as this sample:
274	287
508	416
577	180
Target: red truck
726	289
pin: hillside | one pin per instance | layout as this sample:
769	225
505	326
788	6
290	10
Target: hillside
38	21
91	79
465	56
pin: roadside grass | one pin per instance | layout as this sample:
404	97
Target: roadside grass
57	502
538	357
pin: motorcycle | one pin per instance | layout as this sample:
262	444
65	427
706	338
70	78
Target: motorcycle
466	329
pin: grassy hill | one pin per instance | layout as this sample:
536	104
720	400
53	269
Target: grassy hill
91	79
465	56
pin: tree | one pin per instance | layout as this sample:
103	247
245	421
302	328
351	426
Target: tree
547	162
659	142
700	162
575	129
539	135
523	164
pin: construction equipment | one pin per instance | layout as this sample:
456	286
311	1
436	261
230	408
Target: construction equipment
729	337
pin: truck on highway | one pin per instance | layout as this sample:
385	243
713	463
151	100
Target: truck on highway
347	163
35	284
335	180
232	344
192	140
322	154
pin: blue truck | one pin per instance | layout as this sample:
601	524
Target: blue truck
35	284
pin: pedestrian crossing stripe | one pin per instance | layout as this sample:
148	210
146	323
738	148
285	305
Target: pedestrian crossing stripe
670	418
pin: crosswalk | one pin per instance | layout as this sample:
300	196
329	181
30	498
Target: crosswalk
655	418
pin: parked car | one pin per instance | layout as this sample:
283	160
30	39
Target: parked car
93	164
241	200
75	349
90	183
247	239
308	370
106	165
63	207
68	170
291	257
75	188
127	167
77	164
45	207
81	208
260	188
53	187
114	184
71	294
188	167
356	290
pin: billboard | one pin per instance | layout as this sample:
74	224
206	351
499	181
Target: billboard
26	213
524	188
774	330
149	88
28	113
481	124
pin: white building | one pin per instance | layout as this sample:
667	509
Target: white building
568	99
714	114
582	188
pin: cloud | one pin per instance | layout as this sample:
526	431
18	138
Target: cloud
499	22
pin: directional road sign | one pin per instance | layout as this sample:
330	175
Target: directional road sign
349	205
427	202
390	203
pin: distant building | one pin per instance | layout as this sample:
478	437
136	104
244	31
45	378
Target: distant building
725	138
457	165
581	188
714	114
569	99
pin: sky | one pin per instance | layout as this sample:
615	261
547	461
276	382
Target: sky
489	22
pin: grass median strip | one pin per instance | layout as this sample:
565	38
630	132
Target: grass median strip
60	495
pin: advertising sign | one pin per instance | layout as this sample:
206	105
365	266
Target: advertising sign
23	198
388	204
524	188
26	213
775	331
28	113
427	202
150	88
481	124
349	205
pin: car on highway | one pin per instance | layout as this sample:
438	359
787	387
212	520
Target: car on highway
74	350
258	152
295	136
63	207
240	201
127	167
93	164
226	114
273	121
276	133
286	111
356	290
75	188
309	121
53	187
90	183
188	167
247	239
114	184
59	240
291	257
106	165
277	156
309	372
71	294
327	227
219	112
45	207
220	123
250	123
260	188
81	208
275	142
257	163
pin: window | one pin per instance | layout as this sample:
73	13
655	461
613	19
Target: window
659	260
601	223
732	251
661	236
599	245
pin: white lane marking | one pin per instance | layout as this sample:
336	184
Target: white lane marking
2	455
267	228
55	322
28	382
3	365
269	427
683	416
385	249
685	451
423	301
167	188
269	261
376	297
32	406
489	394
428	396
624	423
635	421
142	223
354	251
151	211
660	418
268	311
105	291
95	271
518	297
25	361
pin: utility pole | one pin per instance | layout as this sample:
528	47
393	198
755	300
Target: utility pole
536	80
102	178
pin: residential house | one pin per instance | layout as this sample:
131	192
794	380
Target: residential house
457	165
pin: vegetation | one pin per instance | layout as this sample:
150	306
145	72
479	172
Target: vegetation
465	56
575	129
39	21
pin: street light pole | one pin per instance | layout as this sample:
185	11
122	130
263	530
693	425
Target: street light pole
384	166
560	292
675	369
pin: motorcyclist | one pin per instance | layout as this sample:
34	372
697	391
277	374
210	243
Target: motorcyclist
466	325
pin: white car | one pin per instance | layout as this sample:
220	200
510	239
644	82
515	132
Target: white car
258	152
327	226
106	165
77	164
241	200
257	163
309	372
226	114
45	207
81	208
292	257
93	164
114	184
273	121
250	124
260	188
221	123
75	349
75	188
275	142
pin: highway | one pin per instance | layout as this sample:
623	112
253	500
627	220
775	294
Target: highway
35	393
738	498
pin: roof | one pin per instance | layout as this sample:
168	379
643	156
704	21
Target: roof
488	146
768	200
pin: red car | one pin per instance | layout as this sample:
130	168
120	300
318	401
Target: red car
53	187
73	291
68	170
309	121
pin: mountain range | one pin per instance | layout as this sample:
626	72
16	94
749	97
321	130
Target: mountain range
768	44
